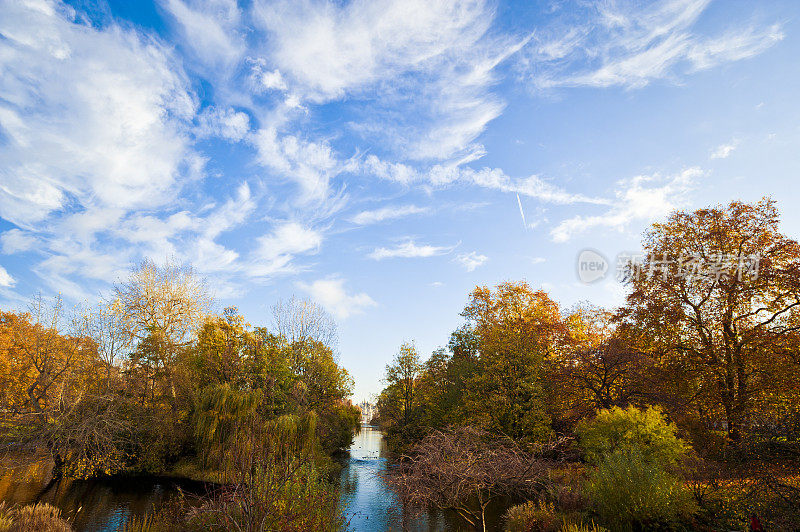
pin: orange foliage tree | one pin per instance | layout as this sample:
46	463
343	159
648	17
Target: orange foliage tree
717	296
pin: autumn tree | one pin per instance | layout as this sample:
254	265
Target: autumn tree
168	298
43	368
162	307
599	367
517	329
718	293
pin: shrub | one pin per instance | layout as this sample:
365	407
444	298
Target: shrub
629	491
39	517
645	432
581	527
533	516
541	516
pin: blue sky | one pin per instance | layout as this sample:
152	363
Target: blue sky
382	158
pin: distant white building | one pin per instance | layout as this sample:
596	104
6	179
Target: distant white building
367	411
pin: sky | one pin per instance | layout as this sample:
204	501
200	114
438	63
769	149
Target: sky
381	158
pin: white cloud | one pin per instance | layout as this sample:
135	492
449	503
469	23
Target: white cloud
640	198
724	150
329	48
494	178
633	45
14	241
397	172
471	260
312	165
734	46
6	281
438	51
409	249
223	123
387	213
89	115
277	250
442	175
331	294
211	28
268	79
538	260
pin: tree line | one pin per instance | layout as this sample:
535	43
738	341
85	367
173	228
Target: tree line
152	381
706	358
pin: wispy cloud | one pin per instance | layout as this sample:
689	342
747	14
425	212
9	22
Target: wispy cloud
471	260
332	295
409	249
227	124
443	175
640	198
630	45
387	213
440	51
94	116
724	150
14	241
212	30
276	251
312	165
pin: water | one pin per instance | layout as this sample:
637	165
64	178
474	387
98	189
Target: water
100	505
367	502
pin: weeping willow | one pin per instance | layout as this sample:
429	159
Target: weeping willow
221	413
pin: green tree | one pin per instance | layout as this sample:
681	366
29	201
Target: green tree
402	375
517	329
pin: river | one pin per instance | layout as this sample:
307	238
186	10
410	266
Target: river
105	504
367	502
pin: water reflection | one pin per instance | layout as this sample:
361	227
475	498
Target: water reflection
95	505
105	504
368	504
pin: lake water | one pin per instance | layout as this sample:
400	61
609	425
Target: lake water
105	504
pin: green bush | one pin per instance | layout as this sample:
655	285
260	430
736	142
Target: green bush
645	432
629	491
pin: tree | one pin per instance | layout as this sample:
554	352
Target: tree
42	368
719	293
402	375
301	320
162	308
168	298
104	324
599	367
225	351
517	329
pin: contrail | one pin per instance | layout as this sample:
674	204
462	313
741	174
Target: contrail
522	213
